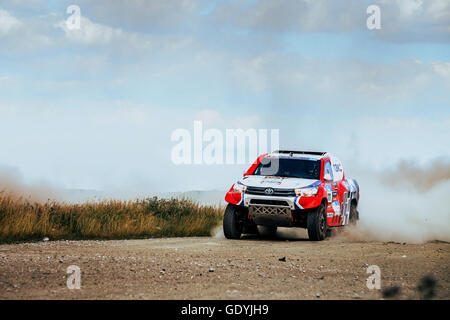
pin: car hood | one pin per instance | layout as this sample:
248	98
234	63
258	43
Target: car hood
277	182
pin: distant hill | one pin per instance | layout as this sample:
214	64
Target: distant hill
210	197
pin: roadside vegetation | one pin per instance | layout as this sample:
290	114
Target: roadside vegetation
21	220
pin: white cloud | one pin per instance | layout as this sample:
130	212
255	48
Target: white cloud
24	35
293	16
401	20
408	8
143	16
8	23
442	68
291	79
91	33
415	20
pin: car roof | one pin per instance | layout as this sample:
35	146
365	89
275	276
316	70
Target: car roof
316	155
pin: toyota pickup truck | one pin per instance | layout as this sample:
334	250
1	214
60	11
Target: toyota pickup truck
292	189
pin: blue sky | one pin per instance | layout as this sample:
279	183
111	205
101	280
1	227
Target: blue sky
95	108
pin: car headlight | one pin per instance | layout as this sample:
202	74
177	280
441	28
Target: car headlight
238	187
307	192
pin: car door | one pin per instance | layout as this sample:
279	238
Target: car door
340	191
331	189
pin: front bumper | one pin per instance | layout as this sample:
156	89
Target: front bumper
294	203
270	210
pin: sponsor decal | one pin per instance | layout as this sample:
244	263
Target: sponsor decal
273	180
336	207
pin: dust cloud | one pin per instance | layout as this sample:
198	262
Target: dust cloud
410	174
404	204
13	184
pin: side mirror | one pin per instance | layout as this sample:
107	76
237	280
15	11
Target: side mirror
327	176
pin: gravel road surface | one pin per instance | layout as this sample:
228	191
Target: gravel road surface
288	267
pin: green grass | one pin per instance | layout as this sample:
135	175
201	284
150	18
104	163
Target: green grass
21	220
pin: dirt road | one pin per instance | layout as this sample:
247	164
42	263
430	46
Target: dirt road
216	268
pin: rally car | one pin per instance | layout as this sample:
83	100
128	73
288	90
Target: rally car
292	189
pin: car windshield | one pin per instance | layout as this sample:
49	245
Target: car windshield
297	168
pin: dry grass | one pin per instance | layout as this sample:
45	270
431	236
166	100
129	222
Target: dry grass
21	220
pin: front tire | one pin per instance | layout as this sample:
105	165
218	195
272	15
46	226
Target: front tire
317	224
232	226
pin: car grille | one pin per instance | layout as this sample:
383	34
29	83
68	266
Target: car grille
269	211
276	192
270	216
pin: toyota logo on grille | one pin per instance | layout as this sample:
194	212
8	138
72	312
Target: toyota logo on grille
268	191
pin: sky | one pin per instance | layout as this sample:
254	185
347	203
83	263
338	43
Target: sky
95	108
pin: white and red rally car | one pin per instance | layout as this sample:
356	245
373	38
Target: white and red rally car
292	189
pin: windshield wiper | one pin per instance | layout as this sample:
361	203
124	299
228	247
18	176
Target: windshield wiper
281	176
291	177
